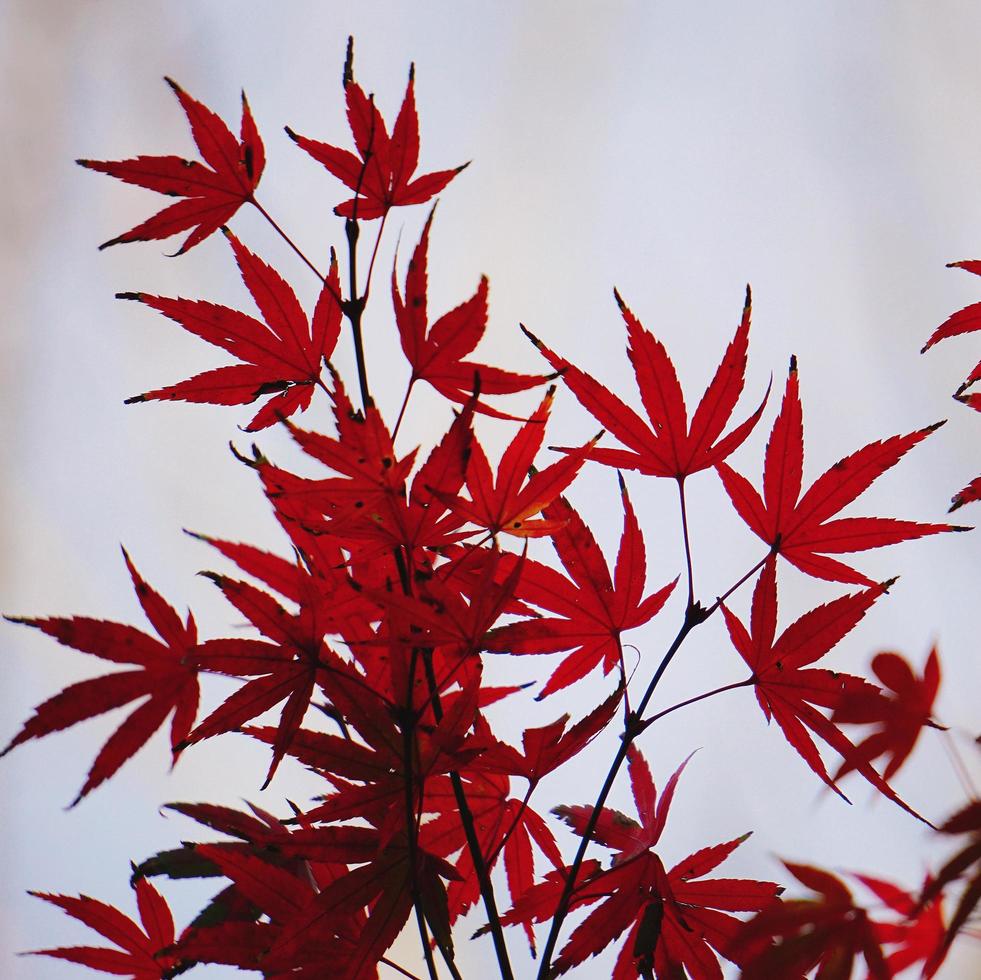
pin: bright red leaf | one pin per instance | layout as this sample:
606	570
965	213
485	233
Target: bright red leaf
669	445
900	714
508	504
282	355
800	527
163	678
139	950
592	608
918	932
381	175
436	351
676	923
213	193
790	691
828	931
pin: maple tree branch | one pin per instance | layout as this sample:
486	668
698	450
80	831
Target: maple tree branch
647	722
392	965
353	309
631	731
466	815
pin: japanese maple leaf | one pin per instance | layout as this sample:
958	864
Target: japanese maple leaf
675	923
669	445
435	352
790	691
287	667
381	175
163	677
901	714
800	527
592	609
214	190
918	933
548	747
965	864
508	504
828	931
139	954
282	355
968	495
963	321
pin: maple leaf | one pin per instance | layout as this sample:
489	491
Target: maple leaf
213	193
381	175
140	954
435	352
788	690
507	504
968	495
828	931
918	933
800	527
901	715
163	677
282	355
963	321
288	667
675	922
966	863
592	611
669	446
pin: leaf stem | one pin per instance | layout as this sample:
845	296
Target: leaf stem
289	241
405	402
647	722
684	531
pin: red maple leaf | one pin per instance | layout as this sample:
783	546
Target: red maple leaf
965	863
214	192
282	355
829	932
163	677
901	714
668	446
963	321
800	527
139	955
918	933
508	504
968	495
381	175
435	352
592	610
675	922
788	690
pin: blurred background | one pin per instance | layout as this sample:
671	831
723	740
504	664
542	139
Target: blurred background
827	153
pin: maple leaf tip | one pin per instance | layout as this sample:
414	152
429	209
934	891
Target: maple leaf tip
934	427
793	363
174	86
138	297
134	399
619	299
347	76
289	132
530	335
